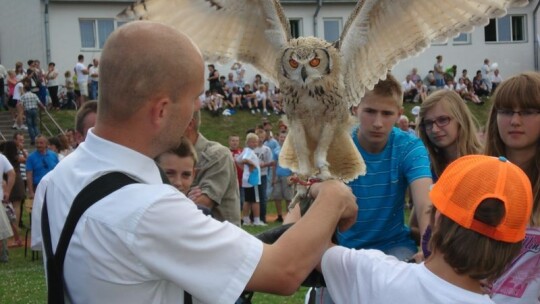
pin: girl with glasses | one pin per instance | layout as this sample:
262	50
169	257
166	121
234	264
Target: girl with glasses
448	130
513	131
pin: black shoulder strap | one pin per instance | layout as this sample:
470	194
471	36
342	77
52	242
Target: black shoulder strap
92	193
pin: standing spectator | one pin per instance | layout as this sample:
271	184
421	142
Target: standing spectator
496	79
438	72
266	162
12	103
19	71
82	79
18	138
17	194
33	75
486	75
281	187
94	79
42	82
39	163
251	181
451	73
6	230
215	186
234	146
52	85
70	89
179	166
31	105
213	78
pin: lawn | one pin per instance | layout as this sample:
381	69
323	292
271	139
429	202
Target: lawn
22	279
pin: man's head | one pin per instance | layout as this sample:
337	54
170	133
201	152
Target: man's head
85	119
96	62
377	113
41	144
18	138
281	138
486	61
439	58
234	142
483	205
139	94
403	123
80	58
261	133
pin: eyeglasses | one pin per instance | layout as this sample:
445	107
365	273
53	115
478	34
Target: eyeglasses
525	113
440	121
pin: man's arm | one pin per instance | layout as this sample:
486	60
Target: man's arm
420	196
287	262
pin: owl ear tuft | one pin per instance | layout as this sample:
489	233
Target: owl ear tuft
336	44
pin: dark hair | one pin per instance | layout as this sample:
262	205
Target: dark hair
184	149
30	61
17	133
52	63
472	253
87	108
212	66
53	141
80	57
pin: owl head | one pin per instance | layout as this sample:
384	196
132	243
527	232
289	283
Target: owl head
306	61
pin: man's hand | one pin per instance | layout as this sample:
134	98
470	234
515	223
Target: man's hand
336	192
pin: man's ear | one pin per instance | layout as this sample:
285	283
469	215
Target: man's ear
159	110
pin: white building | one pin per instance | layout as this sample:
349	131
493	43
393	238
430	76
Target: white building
59	30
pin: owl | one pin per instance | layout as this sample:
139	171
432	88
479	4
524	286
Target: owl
319	80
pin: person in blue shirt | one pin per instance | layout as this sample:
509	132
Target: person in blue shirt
395	161
39	163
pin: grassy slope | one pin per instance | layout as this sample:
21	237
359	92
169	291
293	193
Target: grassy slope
22	280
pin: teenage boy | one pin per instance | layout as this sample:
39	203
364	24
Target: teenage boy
395	161
482	206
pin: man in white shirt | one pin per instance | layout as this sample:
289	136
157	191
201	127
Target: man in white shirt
82	78
94	79
147	242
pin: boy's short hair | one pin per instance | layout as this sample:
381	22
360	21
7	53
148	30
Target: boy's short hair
389	87
184	149
485	204
251	136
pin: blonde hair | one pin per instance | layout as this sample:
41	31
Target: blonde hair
521	91
467	142
251	136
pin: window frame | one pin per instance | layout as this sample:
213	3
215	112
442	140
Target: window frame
300	23
340	27
525	30
95	23
467	41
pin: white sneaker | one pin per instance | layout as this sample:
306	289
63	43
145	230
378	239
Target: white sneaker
260	224
252	111
24	127
15	126
258	111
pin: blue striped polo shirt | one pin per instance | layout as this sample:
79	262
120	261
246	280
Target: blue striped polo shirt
380	194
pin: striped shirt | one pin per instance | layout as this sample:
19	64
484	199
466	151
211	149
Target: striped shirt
380	194
30	101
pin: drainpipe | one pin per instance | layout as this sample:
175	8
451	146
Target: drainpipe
47	34
535	44
319	4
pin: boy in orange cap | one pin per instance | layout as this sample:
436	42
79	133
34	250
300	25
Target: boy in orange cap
482	206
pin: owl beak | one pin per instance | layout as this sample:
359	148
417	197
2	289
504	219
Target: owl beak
304	74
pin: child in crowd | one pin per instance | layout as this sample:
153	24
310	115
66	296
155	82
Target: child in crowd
482	205
251	180
448	130
179	165
513	130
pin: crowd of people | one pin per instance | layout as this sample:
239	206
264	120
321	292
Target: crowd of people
484	82
477	216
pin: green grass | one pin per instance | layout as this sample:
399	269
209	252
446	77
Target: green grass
23	280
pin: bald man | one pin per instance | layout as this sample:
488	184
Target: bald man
147	242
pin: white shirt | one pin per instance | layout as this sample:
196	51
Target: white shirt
79	67
5	167
94	70
407	86
370	276
146	242
248	154
17	91
265	156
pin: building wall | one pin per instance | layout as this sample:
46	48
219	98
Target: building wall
22	34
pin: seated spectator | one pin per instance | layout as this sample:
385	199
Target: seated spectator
430	81
409	89
263	100
496	79
248	99
240	71
277	100
421	92
479	85
414	75
449	84
403	124
463	91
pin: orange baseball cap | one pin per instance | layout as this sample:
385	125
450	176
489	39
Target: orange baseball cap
469	180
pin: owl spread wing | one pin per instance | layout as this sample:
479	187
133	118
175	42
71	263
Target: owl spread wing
380	33
244	30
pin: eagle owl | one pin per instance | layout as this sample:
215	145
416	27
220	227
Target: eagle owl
320	81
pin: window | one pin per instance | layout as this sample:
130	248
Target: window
94	32
510	28
332	29
296	27
463	38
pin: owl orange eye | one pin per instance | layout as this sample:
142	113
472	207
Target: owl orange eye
314	62
293	63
